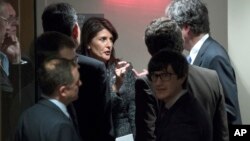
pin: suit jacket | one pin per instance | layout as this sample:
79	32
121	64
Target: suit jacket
205	86
45	122
186	120
213	56
6	86
17	95
21	74
93	107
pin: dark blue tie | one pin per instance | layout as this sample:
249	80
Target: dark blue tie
189	59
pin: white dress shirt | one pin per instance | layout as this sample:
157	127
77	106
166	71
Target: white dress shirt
61	106
195	49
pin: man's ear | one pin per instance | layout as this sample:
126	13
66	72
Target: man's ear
75	32
62	91
186	28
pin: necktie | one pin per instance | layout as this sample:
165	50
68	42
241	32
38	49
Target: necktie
73	116
4	63
189	59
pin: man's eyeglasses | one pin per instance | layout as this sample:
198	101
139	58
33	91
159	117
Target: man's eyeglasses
166	76
10	20
4	19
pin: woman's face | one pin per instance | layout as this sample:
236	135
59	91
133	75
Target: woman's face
101	46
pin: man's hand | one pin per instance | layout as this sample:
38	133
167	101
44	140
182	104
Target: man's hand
11	47
139	74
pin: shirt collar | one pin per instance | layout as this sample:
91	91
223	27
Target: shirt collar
194	51
60	105
172	101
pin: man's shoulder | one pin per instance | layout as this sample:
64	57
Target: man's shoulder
196	70
85	60
215	48
203	78
88	64
143	79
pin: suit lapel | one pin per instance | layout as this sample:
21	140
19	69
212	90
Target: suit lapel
52	106
198	60
72	113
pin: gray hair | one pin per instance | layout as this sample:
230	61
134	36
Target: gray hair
193	13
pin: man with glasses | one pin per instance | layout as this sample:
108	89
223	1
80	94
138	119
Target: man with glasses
163	33
16	72
180	117
13	63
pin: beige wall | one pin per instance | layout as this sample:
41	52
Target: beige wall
238	48
130	17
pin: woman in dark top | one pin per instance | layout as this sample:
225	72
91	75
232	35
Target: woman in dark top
97	41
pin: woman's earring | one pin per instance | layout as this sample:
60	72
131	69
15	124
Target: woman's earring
88	47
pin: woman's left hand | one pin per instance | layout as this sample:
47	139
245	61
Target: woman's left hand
120	70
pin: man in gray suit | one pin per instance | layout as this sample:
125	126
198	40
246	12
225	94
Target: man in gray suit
49	119
161	34
192	17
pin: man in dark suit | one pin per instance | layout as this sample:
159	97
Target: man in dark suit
181	116
16	72
192	17
93	107
51	44
161	34
49	119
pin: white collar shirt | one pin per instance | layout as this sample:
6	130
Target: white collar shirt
194	51
61	106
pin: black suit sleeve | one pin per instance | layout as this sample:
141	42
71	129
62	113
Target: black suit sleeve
104	88
146	110
93	107
21	74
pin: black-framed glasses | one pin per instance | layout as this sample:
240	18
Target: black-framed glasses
165	76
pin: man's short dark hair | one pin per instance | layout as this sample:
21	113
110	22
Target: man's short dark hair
59	17
161	60
49	44
163	33
55	72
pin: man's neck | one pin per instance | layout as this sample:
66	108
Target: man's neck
195	39
171	101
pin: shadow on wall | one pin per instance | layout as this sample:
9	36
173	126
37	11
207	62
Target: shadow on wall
243	96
